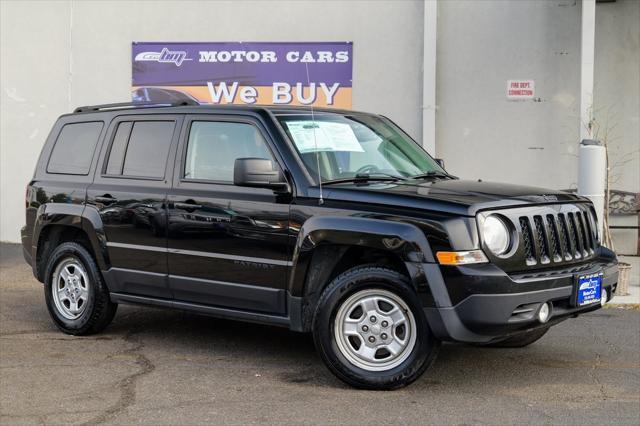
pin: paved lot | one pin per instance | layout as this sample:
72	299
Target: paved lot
162	367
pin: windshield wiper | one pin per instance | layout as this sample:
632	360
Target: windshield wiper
366	177
433	174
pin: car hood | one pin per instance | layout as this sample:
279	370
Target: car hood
457	196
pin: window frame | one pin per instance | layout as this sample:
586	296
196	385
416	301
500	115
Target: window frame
115	124
57	139
184	145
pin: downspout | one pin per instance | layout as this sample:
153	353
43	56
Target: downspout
70	73
592	168
429	76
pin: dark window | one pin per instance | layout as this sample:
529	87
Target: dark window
213	148
140	149
118	148
73	151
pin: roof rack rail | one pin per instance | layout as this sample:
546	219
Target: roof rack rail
127	105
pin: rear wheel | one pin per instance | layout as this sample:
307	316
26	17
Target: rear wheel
76	296
370	329
521	340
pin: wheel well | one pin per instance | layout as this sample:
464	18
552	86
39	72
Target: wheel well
329	261
54	235
357	256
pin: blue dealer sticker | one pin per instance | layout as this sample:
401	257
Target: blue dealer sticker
589	289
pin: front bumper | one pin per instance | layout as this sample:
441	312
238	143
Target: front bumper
485	304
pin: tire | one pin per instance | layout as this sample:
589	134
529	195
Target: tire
520	340
81	305
356	296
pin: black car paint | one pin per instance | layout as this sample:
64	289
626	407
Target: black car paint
256	255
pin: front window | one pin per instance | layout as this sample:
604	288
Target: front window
214	147
352	146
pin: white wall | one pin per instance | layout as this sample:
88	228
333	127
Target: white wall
34	78
56	56
480	134
617	88
617	102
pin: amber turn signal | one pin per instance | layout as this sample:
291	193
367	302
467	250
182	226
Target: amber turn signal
461	257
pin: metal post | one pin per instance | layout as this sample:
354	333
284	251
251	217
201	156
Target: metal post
429	76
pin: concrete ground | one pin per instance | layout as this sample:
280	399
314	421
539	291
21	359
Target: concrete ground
162	367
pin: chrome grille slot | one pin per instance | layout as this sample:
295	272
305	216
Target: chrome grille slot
553	238
527	240
574	237
541	239
564	237
583	235
586	233
587	221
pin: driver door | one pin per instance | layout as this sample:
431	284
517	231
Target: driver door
228	245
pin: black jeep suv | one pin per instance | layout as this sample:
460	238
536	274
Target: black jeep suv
326	221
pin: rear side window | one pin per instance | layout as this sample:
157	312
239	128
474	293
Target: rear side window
74	148
140	149
118	148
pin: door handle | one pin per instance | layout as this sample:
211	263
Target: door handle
188	205
106	199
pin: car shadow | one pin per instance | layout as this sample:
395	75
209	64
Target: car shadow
292	356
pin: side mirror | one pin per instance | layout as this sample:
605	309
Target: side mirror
440	162
258	173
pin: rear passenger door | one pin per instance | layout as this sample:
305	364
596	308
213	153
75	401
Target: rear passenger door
228	245
129	192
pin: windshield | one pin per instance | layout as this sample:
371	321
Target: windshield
349	146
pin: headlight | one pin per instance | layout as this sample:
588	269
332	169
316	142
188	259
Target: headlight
496	235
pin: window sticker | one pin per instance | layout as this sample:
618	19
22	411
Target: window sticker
328	136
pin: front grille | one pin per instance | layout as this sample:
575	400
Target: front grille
561	235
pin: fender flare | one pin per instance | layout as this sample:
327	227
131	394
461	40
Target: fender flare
79	216
404	240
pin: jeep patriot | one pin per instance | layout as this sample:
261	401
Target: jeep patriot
324	221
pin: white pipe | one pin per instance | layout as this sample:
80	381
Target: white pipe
592	157
429	76
587	53
592	168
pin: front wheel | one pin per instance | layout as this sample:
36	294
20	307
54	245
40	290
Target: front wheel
370	330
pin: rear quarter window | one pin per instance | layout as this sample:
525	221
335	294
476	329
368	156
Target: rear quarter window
74	148
140	149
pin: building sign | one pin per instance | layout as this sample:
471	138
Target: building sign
316	74
520	89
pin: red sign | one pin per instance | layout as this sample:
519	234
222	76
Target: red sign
521	89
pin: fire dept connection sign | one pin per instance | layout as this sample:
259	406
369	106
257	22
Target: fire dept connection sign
521	89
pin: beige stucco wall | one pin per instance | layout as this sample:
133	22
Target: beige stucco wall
617	102
58	55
